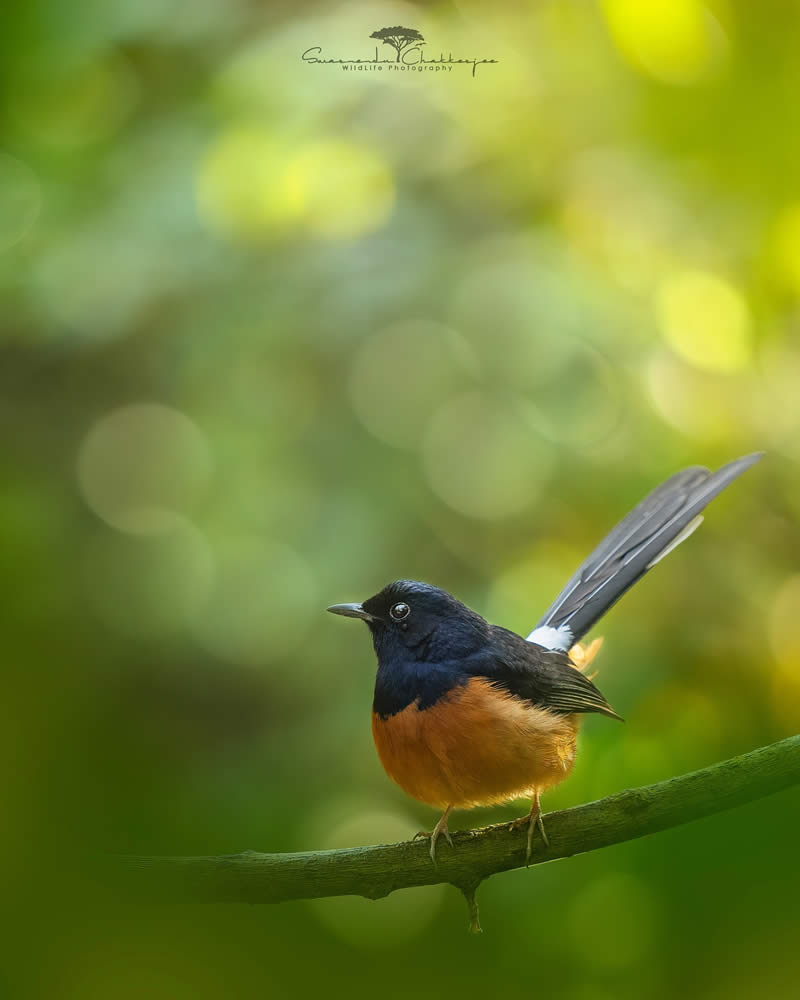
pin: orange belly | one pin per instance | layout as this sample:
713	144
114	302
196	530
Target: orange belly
476	746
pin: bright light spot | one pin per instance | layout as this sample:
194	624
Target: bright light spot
786	246
482	460
705	320
252	185
401	375
612	922
241	185
692	401
149	586
674	41
783	630
786	696
141	462
368	924
346	190
784	626
260	608
20	200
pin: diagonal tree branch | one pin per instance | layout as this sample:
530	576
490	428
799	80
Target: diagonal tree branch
251	877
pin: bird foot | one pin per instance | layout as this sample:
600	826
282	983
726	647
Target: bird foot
440	830
532	820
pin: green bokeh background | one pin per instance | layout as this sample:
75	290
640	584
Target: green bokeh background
274	334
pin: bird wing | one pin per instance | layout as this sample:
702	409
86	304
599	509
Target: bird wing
544	677
661	521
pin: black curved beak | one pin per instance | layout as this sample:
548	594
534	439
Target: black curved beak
351	611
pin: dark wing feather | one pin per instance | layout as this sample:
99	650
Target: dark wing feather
543	677
636	543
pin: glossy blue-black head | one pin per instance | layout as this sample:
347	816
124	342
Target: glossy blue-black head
422	636
414	620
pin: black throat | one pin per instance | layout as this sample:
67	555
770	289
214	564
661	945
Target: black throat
402	683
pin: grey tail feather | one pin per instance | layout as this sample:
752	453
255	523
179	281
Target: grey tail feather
660	522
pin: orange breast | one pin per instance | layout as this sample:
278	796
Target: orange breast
476	746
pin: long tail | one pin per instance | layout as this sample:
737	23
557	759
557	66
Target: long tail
655	527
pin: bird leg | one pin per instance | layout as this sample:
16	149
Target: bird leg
440	828
532	820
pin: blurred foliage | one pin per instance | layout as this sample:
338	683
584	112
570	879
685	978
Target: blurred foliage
275	333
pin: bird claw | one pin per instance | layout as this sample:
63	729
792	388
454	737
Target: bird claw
440	830
427	834
435	836
532	820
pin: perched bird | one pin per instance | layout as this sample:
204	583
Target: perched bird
466	713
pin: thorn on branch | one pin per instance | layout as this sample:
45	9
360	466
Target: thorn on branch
472	905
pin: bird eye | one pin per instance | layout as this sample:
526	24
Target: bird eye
399	612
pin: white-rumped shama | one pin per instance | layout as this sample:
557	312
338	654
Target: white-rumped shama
466	713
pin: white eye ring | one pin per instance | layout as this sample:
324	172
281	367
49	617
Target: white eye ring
399	612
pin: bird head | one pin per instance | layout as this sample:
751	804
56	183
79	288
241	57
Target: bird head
415	618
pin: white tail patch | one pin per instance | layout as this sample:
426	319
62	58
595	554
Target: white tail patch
691	527
552	638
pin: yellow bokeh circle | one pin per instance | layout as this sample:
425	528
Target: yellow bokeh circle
253	184
705	320
672	41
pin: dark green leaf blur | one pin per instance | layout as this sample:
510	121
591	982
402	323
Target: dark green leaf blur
274	332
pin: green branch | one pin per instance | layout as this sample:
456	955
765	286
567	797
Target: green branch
373	872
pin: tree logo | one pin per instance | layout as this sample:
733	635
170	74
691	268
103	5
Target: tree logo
399	38
408	58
